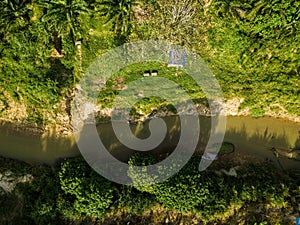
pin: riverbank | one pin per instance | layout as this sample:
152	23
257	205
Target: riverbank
62	126
255	193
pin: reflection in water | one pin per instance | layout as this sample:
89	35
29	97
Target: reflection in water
254	136
35	148
257	136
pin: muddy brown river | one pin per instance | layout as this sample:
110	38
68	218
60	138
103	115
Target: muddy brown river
251	136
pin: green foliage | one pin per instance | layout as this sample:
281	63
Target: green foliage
267	186
255	51
23	67
62	17
251	46
119	13
93	194
31	202
181	22
30	73
14	14
141	178
138	159
98	40
208	194
70	193
40	198
184	191
132	201
147	105
256	112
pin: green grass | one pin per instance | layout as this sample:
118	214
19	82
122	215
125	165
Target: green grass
146	105
258	96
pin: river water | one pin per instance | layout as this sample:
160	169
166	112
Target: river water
251	136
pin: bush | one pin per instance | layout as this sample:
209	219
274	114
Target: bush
141	178
182	192
208	194
92	193
133	201
37	198
185	191
87	196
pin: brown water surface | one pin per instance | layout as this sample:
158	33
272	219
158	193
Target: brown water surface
253	136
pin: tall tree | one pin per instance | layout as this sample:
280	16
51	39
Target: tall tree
118	12
62	18
13	14
177	21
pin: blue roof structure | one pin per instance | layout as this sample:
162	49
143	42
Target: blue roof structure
177	58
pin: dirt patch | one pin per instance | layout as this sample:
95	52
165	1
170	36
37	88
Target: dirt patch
12	110
277	111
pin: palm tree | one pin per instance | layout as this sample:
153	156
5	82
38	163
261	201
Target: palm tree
119	13
14	13
62	18
233	8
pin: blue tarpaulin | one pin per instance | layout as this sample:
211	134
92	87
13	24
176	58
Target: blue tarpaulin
177	58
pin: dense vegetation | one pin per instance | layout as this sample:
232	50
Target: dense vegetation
251	46
73	193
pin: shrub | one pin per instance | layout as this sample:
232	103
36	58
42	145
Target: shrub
184	191
133	201
37	198
141	178
92	193
208	194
